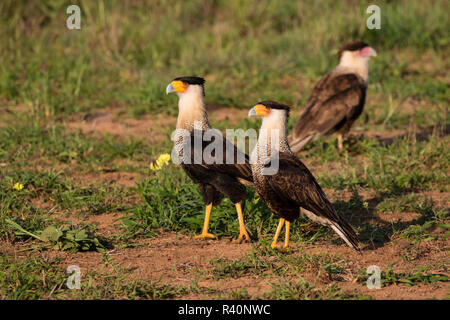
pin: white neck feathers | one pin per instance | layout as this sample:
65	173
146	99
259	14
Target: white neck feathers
351	62
272	135
191	108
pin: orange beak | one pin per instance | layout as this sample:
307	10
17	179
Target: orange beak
259	110
176	86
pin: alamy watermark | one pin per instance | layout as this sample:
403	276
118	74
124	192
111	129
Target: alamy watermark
74	280
374	20
374	281
210	147
73	22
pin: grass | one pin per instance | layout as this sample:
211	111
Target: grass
389	277
303	290
171	203
395	163
112	59
37	278
423	166
259	263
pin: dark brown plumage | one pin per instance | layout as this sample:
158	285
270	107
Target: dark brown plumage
292	187
337	100
215	180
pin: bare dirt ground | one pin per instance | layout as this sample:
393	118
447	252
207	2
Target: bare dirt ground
148	126
108	121
177	259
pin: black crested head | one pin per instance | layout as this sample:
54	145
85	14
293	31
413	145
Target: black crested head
276	105
352	46
192	80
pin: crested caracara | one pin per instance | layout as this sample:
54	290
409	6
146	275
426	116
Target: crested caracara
215	179
293	186
337	100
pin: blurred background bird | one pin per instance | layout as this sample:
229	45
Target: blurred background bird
337	100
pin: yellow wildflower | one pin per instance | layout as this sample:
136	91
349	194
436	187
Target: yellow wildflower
18	186
162	160
73	154
155	167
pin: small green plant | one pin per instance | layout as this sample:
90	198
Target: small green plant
68	237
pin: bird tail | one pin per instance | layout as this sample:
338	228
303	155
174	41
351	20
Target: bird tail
340	226
346	232
296	144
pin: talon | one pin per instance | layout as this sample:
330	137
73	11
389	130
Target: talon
285	246
280	246
275	245
243	234
205	235
243	238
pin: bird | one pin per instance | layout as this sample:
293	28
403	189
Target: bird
289	188
215	179
337	100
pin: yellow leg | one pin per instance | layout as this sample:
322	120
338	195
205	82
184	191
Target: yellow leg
205	234
340	139
277	234
286	237
243	234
